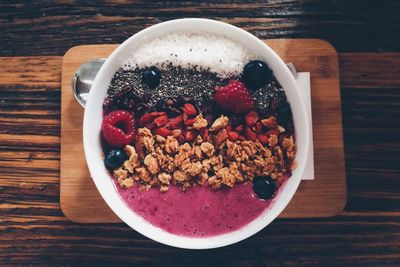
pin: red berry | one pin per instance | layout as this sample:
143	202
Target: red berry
228	128
242	138
118	128
189	122
251	118
189	109
148	117
174	123
162	131
263	138
161	120
234	97
157	113
145	119
233	136
189	136
205	134
250	134
239	128
259	127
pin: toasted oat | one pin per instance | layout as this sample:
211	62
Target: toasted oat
200	122
171	145
120	174
164	178
216	161
133	160
180	176
273	140
160	139
219	124
143	174
127	183
176	133
207	148
144	132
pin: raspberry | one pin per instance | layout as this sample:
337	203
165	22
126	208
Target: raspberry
118	128
234	97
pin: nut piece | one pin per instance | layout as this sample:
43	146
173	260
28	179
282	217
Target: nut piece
133	161
127	183
152	164
270	122
215	182
207	149
288	143
195	168
171	145
160	139
143	174
120	174
226	176
281	129
273	140
221	137
200	122
180	176
219	123
164	188
164	178
144	132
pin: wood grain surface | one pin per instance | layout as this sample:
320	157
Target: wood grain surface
33	230
52	27
323	197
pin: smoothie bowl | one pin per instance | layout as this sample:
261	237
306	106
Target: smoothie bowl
195	133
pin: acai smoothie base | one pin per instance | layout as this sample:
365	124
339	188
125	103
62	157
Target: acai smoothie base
197	134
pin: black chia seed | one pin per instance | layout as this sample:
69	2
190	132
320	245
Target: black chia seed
175	81
128	91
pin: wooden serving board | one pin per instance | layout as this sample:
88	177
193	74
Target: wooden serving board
323	197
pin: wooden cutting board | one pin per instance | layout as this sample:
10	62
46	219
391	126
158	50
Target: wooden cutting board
323	197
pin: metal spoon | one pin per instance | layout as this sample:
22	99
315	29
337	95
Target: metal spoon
86	73
83	79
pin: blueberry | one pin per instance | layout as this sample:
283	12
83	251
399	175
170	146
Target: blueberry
256	74
264	187
151	77
114	158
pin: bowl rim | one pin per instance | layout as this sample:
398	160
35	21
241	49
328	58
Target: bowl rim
99	173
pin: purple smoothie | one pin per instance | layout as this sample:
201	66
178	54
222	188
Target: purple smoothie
198	212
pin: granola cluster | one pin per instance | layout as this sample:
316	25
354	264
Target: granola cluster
161	161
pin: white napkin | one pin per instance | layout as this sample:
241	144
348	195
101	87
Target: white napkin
303	80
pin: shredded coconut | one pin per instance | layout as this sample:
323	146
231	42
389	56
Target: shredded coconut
198	50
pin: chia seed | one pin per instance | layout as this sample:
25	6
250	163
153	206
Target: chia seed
175	81
128	91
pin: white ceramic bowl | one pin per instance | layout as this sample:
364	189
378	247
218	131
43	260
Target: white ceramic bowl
93	119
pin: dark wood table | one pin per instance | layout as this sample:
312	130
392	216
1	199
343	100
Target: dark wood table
33	229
